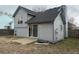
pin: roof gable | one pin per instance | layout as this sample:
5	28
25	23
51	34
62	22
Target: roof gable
27	10
45	17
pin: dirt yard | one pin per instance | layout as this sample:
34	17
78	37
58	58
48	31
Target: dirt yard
65	46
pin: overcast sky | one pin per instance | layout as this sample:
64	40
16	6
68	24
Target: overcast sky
72	11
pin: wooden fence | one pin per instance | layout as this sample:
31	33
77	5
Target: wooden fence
73	33
4	32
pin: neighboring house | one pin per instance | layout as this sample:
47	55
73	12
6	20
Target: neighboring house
71	26
47	26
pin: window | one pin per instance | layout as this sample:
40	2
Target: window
61	27
21	17
20	22
25	22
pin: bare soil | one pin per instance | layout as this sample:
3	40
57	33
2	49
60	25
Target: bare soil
66	46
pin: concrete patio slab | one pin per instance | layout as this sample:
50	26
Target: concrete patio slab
23	41
41	43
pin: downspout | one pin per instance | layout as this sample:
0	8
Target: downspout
64	30
53	33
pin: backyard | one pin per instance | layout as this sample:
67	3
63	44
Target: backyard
69	45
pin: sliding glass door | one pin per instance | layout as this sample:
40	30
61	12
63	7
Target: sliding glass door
33	30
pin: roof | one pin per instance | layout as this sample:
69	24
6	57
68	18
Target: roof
27	10
46	17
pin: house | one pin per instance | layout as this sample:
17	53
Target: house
71	26
47	26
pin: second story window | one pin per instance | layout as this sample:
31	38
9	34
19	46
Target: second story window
20	22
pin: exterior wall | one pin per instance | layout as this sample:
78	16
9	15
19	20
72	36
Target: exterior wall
21	29
21	15
58	33
45	32
21	32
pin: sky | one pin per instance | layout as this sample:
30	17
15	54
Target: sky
72	11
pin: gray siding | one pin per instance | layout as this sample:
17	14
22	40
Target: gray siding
58	33
45	32
21	15
21	32
21	29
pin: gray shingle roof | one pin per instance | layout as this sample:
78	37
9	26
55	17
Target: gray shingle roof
45	17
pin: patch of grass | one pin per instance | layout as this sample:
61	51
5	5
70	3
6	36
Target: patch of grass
68	43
